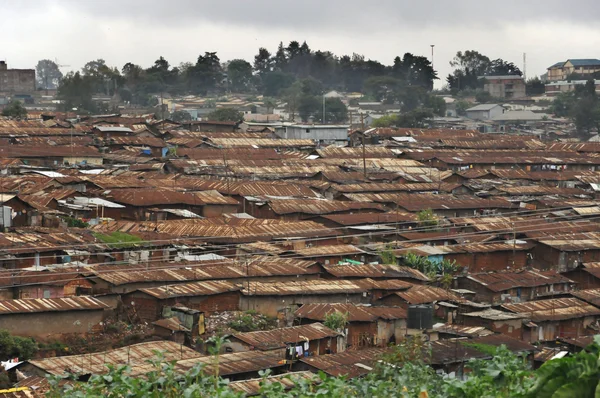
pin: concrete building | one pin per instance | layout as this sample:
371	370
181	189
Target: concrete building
485	111
16	81
556	87
505	86
583	67
324	134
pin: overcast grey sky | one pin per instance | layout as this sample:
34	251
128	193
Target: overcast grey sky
76	31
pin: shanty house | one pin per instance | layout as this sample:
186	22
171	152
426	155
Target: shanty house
586	275
208	296
367	325
274	299
506	323
299	341
51	316
514	286
565	317
138	202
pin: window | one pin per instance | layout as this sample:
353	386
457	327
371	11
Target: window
46	293
308	130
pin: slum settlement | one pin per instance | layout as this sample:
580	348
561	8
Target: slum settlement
125	235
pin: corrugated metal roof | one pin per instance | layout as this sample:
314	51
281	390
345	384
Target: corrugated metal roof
229	364
353	153
349	363
288	381
205	288
317	207
182	272
310	287
375	271
278	338
355	313
396	187
95	363
420	294
328	251
417	202
591	296
502	281
371	218
461	330
553	309
262	143
27	306
154	197
494	315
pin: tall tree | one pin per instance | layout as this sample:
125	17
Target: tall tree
48	74
262	61
280	58
75	91
206	75
239	74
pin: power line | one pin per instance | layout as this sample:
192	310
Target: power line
208	264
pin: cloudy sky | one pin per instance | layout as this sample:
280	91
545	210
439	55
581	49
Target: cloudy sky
76	31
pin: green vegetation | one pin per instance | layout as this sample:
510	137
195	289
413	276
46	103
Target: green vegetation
118	239
75	222
387	256
251	321
427	218
336	320
429	267
225	115
469	66
582	106
502	375
417	118
15	109
16	347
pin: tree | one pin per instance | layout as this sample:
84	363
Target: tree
75	91
483	97
469	66
206	75
436	104
461	107
336	321
280	58
15	346
47	74
308	106
335	111
180	116
274	83
499	67
269	103
262	61
225	115
427	218
535	86
414	71
239	73
15	109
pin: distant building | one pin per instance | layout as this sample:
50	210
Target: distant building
16	81
511	86
485	111
556	87
583	67
322	133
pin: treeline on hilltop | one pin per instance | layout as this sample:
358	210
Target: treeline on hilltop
294	72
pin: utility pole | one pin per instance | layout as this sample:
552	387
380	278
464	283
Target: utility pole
362	127
432	46
324	109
